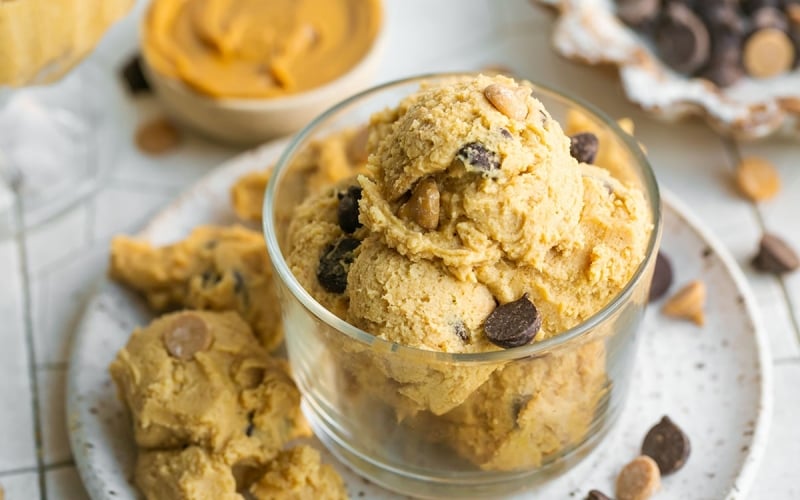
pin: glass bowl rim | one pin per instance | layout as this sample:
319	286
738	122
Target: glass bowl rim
529	350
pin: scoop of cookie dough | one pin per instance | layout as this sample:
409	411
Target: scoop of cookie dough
189	474
201	378
214	268
299	474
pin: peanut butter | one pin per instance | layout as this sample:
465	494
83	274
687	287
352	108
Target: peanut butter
253	48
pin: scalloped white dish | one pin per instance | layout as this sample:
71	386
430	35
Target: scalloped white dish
715	382
589	31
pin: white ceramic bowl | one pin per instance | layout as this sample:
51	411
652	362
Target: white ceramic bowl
253	121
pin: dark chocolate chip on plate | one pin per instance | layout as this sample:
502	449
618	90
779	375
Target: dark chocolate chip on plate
724	67
682	39
662	277
347	211
637	12
513	324
335	264
775	256
668	445
597	495
477	158
134	76
583	147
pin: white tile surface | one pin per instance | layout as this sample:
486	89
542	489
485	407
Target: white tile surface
17	446
52	415
21	486
69	230
64	482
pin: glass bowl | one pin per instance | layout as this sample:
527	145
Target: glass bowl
436	424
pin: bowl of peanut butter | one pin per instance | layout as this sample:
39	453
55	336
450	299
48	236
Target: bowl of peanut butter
244	71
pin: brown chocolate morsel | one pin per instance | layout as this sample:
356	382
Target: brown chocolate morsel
478	158
750	6
682	39
347	210
513	324
668	445
334	264
134	77
724	68
597	495
662	277
187	336
584	146
637	12
770	17
722	18
775	256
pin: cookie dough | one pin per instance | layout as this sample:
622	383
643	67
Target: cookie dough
298	474
201	378
323	163
214	268
472	200
189	474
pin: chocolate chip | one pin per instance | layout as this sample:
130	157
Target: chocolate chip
751	6
668	445
477	158
347	210
724	67
637	12
597	495
335	264
662	277
210	277
461	331
583	147
682	39
775	256
250	425
134	76
505	133
513	324
187	336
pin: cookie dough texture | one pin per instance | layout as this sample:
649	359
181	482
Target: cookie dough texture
298	474
214	268
517	215
231	398
184	474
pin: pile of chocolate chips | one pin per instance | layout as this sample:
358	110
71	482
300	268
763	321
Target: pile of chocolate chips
720	40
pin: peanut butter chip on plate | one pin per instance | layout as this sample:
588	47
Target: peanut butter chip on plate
757	179
157	137
638	480
187	336
768	52
688	303
507	101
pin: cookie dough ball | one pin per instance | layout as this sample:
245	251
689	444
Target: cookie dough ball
526	411
496	176
215	268
313	232
201	378
190	474
299	474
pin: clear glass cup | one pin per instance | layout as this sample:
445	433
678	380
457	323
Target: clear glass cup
434	424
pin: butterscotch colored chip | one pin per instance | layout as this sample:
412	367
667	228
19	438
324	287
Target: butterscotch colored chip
757	179
507	101
688	303
638	480
157	137
768	52
188	335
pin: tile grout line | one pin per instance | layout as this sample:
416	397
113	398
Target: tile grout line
733	150
30	470
27	310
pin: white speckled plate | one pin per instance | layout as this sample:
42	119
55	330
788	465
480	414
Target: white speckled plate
713	381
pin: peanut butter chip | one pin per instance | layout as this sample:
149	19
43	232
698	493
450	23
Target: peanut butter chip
157	137
688	303
187	336
423	206
757	179
768	52
507	101
638	480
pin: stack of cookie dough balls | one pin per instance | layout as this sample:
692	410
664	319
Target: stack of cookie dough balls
475	229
